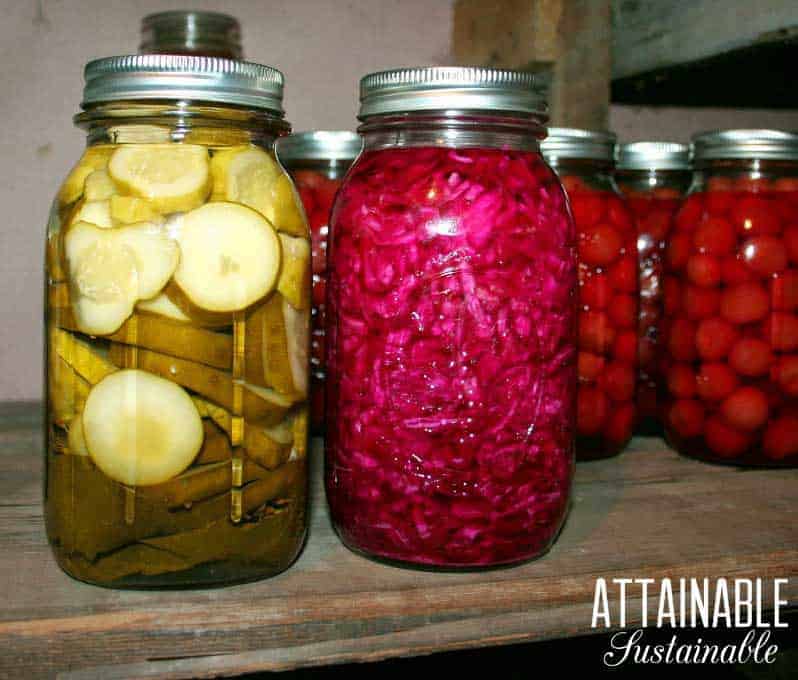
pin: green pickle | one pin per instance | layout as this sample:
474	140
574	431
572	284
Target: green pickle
177	327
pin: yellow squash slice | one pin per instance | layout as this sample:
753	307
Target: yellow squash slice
229	257
172	177
140	429
94	158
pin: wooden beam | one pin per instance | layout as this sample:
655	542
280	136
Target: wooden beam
651	34
568	38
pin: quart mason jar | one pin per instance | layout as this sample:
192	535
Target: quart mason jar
177	320
451	325
318	161
653	177
731	302
608	289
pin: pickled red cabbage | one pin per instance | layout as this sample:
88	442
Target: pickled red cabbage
451	356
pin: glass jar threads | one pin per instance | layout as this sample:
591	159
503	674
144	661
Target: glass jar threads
653	177
608	289
318	161
731	295
177	254
450	328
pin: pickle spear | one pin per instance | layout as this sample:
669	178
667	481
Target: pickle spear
276	347
257	403
141	429
294	282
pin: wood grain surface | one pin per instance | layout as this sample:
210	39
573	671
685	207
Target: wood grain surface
646	513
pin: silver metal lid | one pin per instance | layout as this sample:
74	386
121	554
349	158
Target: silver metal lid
210	34
330	145
164	76
439	88
653	156
778	145
579	144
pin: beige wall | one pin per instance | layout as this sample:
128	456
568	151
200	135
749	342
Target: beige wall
322	47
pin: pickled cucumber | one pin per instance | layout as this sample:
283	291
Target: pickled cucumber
162	305
294	282
173	177
94	158
130	210
229	257
97	213
276	347
141	429
98	186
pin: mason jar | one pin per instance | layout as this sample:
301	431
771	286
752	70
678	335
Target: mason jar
451	358
177	324
731	297
653	177
318	161
608	289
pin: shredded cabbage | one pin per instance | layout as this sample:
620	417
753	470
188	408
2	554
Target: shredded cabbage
451	356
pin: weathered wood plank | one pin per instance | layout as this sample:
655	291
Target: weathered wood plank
569	39
646	513
651	34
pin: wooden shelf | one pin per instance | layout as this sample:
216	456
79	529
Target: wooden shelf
647	513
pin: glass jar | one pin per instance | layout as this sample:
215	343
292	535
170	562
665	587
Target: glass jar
653	177
177	320
731	296
608	289
450	330
193	33
318	162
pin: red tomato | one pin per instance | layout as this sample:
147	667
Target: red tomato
755	216
678	251
587	208
734	271
681	381
719	198
657	223
785	184
790	239
703	270
590	366
784	290
781	329
618	381
667	194
785	373
592	406
746	408
765	255
623	274
623	311
625	347
596	333
715	236
620	423
595	292
715	382
599	245
750	357
781	438
681	340
745	303
573	185
618	213
686	417
690	213
752	185
724	440
701	303
714	338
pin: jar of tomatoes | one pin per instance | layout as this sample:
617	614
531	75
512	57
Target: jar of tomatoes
318	161
177	321
451	358
608	289
731	297
653	176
